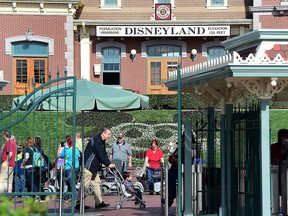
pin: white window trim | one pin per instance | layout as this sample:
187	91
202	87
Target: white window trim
172	3
104	7
110	44
161	41
217	7
9	41
205	46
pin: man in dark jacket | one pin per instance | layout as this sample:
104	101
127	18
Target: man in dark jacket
94	155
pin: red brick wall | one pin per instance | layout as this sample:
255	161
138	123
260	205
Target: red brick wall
276	22
44	26
134	74
270	2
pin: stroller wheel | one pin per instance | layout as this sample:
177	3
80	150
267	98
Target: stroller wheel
142	206
118	206
104	190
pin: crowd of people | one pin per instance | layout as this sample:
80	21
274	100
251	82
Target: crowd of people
21	175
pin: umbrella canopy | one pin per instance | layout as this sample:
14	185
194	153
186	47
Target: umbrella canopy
89	96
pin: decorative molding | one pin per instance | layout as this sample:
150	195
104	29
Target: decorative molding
144	45
262	87
230	59
110	43
40	7
9	41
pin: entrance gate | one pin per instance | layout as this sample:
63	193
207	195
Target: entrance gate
245	170
27	120
244	175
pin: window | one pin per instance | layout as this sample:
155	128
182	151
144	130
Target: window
215	52
164	50
217	4
110	4
30	48
164	2
111	66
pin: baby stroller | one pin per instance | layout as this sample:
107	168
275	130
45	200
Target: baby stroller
123	193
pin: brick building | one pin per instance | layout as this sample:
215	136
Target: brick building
94	39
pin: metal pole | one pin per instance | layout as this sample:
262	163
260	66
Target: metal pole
179	116
166	190
162	191
82	195
61	190
74	139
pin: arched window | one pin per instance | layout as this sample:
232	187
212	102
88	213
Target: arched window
215	52
111	65
30	48
164	50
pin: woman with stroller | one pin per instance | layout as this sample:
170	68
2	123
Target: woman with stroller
154	158
66	154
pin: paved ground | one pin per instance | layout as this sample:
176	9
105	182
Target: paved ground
153	207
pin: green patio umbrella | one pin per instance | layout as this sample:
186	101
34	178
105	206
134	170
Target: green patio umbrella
89	96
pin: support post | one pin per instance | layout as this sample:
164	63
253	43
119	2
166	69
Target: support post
210	143
223	208
265	157
228	122
188	169
179	117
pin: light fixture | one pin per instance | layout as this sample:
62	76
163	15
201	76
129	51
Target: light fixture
274	81
193	54
28	34
229	84
133	55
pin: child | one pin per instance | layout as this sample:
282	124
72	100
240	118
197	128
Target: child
19	177
130	187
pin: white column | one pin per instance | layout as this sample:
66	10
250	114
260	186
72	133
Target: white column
85	54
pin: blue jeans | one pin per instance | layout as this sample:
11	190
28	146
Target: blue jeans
69	178
150	180
19	183
138	194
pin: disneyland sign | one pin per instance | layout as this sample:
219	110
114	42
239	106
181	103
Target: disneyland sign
162	31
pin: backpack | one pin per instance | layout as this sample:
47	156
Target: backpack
38	159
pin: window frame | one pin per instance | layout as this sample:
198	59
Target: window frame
171	2
211	6
110	7
215	47
107	71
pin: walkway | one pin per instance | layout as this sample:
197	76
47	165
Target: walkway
153	207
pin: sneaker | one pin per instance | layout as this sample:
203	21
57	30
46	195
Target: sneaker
77	206
138	202
102	205
151	193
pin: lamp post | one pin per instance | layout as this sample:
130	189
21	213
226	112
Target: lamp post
179	117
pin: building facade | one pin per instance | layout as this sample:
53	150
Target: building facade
127	44
37	40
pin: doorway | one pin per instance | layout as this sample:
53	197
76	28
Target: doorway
29	74
158	70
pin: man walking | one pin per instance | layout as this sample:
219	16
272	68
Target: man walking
94	155
121	150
